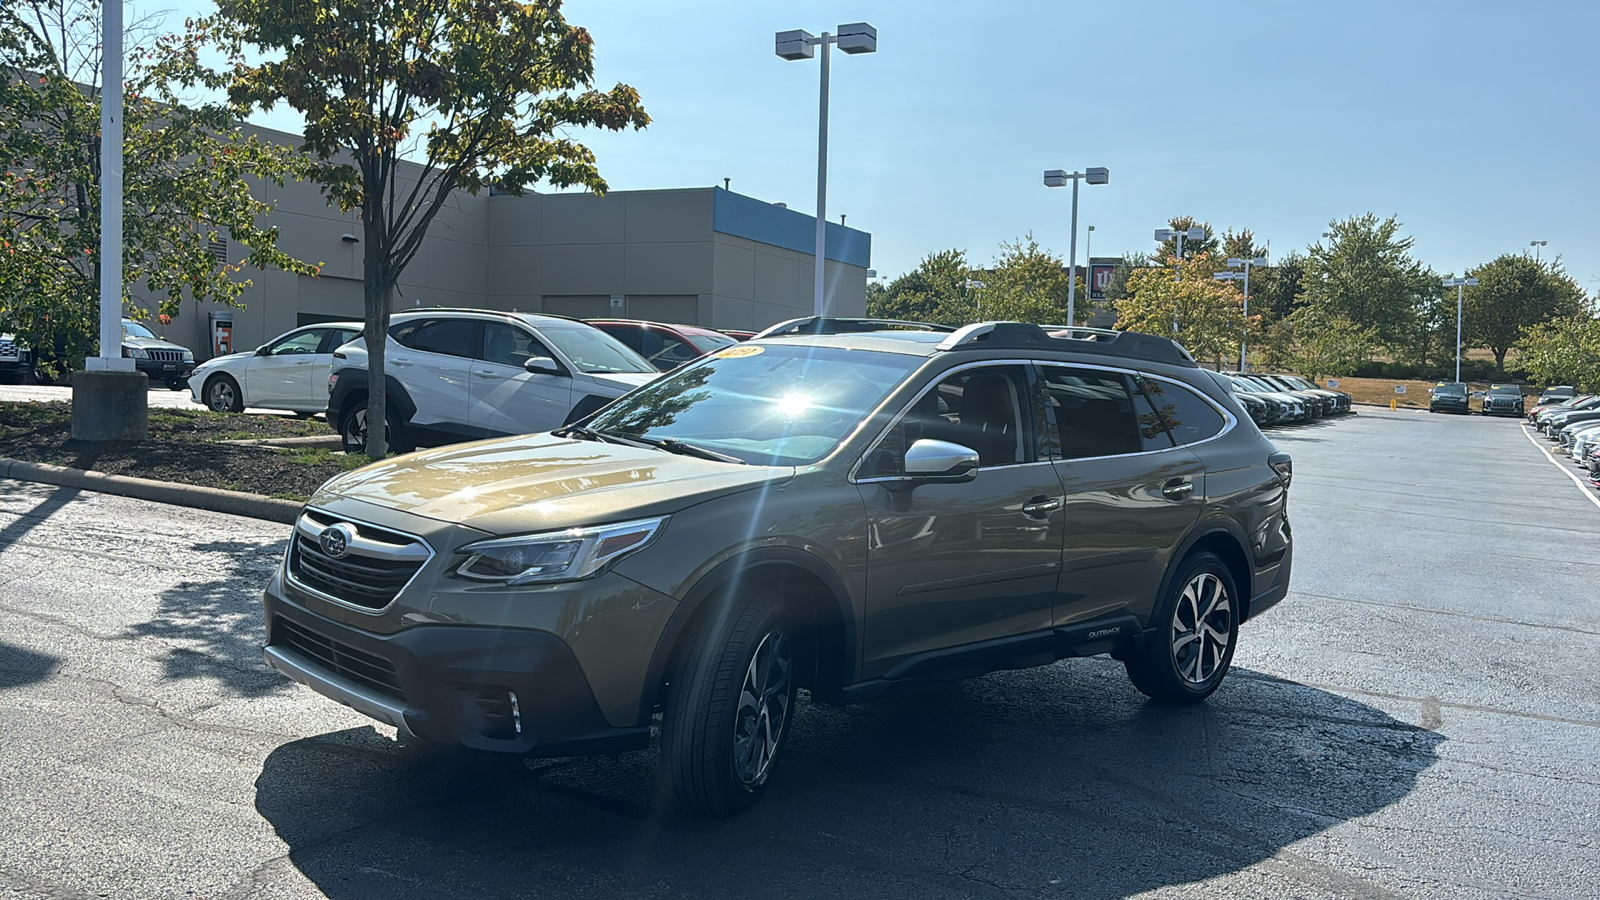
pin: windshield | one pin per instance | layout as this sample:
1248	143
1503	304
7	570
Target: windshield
593	351
134	329
706	343
1456	388
765	404
1501	390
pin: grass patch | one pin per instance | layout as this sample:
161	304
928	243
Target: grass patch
1381	391
322	456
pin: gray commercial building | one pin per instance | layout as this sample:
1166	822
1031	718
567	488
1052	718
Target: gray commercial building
695	256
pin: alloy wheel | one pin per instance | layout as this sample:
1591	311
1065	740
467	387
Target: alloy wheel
220	396
763	711
1202	628
355	429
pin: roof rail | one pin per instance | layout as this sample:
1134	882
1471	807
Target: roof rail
834	325
1131	344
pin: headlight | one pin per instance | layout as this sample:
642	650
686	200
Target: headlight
188	356
556	555
135	352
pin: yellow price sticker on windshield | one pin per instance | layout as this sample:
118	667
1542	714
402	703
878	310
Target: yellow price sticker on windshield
739	351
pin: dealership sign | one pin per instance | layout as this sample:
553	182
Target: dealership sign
1100	275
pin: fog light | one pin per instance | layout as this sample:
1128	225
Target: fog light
516	712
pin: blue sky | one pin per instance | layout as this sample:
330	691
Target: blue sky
1474	122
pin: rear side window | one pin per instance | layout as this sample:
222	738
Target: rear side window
627	334
337	338
1188	417
1097	413
452	337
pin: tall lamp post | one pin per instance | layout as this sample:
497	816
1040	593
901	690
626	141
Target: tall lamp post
1459	284
1536	245
1167	234
858	37
1059	178
1235	262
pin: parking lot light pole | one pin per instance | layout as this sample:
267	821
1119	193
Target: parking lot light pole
1059	178
1235	262
858	37
1459	284
1536	245
1167	234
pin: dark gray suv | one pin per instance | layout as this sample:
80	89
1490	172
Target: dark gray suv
846	506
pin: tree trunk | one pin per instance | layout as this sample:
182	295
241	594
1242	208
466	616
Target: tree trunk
377	289
1500	358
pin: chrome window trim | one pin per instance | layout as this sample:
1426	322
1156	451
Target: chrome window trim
288	570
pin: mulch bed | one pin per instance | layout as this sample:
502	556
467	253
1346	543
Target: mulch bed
182	448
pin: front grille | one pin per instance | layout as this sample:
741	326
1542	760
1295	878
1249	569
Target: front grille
379	565
166	355
8	349
367	670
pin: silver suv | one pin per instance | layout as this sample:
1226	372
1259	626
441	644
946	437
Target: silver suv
459	374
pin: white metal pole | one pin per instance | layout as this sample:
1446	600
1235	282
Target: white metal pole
1178	279
822	182
1243	340
1072	255
111	183
1458	332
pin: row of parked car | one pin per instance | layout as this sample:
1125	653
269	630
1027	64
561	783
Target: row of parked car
1284	399
1572	421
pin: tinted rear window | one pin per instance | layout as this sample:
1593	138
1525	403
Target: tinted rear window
1189	418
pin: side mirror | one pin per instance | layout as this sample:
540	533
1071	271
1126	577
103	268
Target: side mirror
262	351
941	461
543	365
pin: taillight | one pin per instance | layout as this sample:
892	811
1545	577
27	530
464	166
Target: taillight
1283	465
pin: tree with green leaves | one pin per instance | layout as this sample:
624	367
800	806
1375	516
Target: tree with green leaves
189	175
1366	274
1027	284
1117	288
1515	292
1275	290
1209	314
1563	351
1320	342
406	101
1239	245
935	291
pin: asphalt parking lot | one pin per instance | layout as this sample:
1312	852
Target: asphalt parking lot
1421	718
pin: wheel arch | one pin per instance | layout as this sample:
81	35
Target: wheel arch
353	383
238	384
1226	540
829	633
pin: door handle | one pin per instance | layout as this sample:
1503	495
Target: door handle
303	362
401	361
1039	507
488	373
1177	489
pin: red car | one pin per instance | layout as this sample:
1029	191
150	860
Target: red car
664	346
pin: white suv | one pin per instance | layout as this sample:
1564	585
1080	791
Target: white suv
457	374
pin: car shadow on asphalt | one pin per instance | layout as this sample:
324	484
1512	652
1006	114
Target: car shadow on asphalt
1054	780
20	666
210	626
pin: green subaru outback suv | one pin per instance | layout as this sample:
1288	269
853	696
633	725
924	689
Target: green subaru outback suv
845	506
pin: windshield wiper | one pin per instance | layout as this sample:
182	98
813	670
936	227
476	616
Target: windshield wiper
673	445
587	433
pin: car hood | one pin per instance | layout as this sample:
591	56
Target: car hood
625	381
150	343
216	360
541	482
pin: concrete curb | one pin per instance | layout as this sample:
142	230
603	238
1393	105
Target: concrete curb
235	503
314	440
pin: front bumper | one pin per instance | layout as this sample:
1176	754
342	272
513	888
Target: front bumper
505	689
164	371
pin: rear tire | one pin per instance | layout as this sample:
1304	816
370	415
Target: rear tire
1196	628
353	429
730	705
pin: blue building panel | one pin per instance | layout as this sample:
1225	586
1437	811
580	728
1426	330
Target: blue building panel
756	220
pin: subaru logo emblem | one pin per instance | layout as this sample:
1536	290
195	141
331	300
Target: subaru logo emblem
335	540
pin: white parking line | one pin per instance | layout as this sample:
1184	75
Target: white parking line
1564	469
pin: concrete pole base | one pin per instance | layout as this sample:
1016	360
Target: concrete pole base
110	406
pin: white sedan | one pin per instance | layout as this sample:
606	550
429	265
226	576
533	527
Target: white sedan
290	372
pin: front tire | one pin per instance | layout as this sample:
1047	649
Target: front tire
729	707
1195	630
222	394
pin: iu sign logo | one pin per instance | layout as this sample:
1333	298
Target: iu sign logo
1100	276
